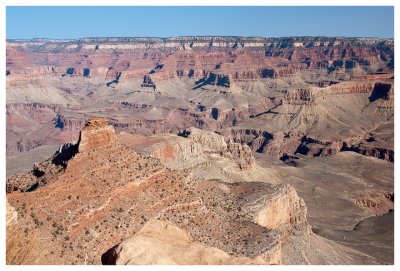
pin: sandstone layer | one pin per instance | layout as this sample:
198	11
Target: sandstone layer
162	85
263	137
106	193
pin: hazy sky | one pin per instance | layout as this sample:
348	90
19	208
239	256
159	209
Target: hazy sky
76	22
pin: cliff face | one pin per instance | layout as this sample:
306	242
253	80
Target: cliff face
206	154
109	181
212	143
285	210
161	242
239	58
96	134
212	83
99	193
299	96
276	99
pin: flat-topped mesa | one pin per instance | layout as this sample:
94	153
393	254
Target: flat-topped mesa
97	133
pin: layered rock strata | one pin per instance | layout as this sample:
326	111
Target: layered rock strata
106	213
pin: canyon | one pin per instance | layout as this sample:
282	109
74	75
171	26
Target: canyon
216	150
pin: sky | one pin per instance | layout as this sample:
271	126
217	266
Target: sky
90	21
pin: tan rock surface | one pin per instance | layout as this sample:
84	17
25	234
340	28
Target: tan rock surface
231	162
160	242
283	210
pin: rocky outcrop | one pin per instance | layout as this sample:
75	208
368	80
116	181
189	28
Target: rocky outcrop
376	202
162	242
350	87
109	179
254	138
22	182
184	153
96	134
212	143
361	144
281	212
276	145
281	145
192	148
299	96
373	151
284	210
241	154
321	147
70	124
108	193
173	151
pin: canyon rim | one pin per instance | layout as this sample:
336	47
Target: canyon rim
208	149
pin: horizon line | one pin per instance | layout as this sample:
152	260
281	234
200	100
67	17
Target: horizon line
193	36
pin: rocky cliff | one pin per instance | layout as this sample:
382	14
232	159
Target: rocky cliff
201	134
212	143
96	134
107	193
211	83
240	58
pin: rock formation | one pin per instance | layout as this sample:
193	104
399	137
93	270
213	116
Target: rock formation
262	71
212	143
284	210
161	242
107	193
96	134
208	151
299	96
95	56
206	154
